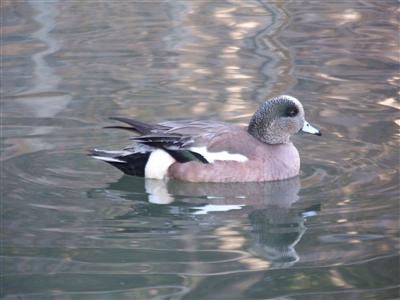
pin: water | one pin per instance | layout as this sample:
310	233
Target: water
75	228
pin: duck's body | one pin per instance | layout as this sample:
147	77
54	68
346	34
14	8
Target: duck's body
212	151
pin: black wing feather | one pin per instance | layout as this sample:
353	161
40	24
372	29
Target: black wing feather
138	126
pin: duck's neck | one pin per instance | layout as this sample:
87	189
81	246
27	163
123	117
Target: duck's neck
266	134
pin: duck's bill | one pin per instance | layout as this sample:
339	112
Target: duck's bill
307	128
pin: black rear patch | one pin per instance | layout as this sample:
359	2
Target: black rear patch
135	163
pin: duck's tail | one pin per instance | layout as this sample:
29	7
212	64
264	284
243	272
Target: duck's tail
131	163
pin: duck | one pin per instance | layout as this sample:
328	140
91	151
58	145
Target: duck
215	151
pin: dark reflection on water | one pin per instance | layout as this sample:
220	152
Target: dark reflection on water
75	228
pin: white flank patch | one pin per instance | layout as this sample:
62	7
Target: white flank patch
158	164
222	155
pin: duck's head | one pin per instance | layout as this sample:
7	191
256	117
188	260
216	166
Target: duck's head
277	119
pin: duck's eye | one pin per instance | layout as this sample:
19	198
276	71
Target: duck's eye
292	112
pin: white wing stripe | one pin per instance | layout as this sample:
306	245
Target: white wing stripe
222	155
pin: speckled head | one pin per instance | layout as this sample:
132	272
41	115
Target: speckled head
277	119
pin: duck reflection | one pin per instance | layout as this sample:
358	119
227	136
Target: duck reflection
274	226
276	231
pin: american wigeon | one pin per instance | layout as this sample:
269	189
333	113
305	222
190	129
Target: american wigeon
213	151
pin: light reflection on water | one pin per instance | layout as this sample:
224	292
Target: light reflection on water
73	227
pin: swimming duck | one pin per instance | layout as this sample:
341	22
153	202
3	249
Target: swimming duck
214	151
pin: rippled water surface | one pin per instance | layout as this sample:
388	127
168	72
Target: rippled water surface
75	228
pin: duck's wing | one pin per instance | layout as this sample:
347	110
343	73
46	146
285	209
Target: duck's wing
175	134
203	141
137	126
176	138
